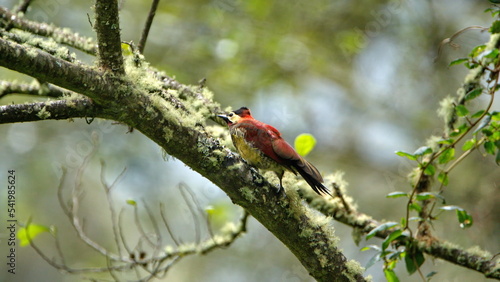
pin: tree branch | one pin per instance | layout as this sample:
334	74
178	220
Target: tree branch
44	67
60	35
23	6
59	109
436	248
107	27
34	88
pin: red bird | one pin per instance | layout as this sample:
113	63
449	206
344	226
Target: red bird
262	146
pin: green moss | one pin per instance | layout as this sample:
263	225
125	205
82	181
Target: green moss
43	113
248	194
446	109
353	267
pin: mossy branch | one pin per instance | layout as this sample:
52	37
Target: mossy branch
107	27
34	88
57	110
477	260
60	35
174	119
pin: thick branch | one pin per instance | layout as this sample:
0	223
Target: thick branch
44	67
60	35
107	27
59	109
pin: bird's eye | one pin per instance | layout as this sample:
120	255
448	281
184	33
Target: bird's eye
231	114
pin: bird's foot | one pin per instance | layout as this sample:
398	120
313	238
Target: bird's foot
280	191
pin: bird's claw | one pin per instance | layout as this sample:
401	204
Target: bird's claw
280	191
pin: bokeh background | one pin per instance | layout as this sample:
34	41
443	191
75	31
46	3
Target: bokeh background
364	77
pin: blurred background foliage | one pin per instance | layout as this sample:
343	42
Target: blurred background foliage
364	77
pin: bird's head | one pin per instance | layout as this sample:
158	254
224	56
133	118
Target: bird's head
235	116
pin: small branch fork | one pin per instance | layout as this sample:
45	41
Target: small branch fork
149	258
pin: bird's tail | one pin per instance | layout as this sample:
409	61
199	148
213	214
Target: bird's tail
312	176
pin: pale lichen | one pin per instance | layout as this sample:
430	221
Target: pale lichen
248	194
447	109
43	113
476	250
433	142
353	267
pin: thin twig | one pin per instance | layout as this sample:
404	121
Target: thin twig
147	26
163	217
339	194
107	190
450	39
183	188
23	6
137	221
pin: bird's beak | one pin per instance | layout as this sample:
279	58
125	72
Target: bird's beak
225	118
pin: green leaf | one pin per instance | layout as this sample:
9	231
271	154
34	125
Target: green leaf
492	54
458	61
461	110
393	236
424	150
403	221
495	116
131	202
416	207
430	170
473	94
447	155
390	275
469	144
464	218
478	114
446	141
497	159
477	50
381	227
443	178
32	230
304	143
414	261
126	49
397	194
429	195
495	26
489	147
407	155
425	196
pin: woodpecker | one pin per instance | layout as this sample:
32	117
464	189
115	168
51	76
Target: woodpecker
262	146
